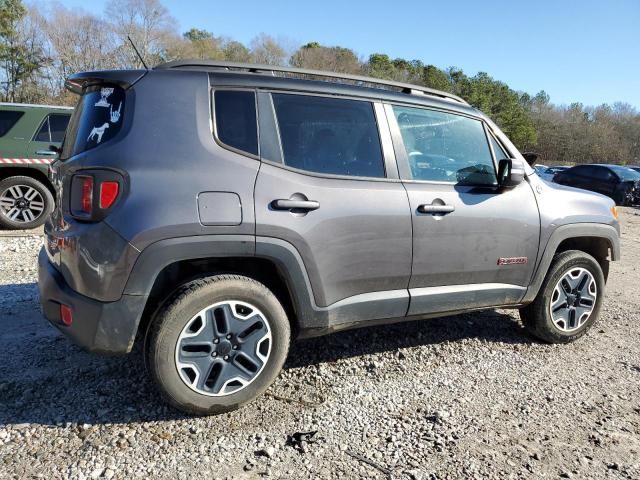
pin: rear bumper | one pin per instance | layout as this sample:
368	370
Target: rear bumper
102	327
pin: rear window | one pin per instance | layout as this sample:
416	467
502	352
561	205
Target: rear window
8	118
96	120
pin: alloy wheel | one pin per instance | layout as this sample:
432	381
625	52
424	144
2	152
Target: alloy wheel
21	203
223	348
573	299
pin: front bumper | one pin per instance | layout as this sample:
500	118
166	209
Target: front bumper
102	327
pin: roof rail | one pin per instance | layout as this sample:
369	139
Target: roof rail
358	79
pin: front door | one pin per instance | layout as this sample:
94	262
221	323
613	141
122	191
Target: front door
327	190
474	245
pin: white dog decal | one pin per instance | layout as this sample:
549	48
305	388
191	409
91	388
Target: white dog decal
99	131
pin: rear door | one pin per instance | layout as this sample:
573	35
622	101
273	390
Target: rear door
474	244
328	187
50	132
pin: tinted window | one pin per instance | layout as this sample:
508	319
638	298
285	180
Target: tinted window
8	119
43	134
329	135
584	171
445	147
96	119
58	126
626	173
236	123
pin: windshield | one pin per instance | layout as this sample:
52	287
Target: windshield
625	173
96	119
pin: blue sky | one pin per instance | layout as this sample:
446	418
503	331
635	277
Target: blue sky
586	51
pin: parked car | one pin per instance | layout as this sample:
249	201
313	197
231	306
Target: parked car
26	134
250	208
620	183
540	168
550	172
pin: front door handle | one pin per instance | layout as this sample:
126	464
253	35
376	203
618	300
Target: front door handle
289	204
46	152
435	208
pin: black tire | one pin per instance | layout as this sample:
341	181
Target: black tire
190	299
536	316
25	183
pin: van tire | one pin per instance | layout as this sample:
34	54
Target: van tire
168	329
537	316
25	184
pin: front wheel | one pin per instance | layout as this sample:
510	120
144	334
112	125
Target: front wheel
25	203
217	344
569	300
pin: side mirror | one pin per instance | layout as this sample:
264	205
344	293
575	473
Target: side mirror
510	172
530	157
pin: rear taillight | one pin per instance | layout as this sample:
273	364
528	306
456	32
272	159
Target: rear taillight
86	202
94	193
108	193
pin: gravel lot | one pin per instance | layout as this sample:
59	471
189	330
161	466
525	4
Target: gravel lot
470	396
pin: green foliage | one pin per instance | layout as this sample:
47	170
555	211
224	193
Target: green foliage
20	56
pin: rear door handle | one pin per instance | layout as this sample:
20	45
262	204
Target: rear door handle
46	152
288	204
431	208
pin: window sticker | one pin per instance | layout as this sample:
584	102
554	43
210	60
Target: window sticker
97	132
114	116
105	92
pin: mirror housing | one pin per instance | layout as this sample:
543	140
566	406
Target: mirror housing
510	172
530	157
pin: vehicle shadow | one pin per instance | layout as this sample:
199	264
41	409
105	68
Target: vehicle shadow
48	381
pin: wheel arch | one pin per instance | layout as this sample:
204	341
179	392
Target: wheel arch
165	265
601	241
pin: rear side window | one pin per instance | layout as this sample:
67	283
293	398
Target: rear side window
8	118
445	147
53	128
236	122
329	135
96	119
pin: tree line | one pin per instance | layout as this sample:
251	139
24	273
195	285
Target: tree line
41	46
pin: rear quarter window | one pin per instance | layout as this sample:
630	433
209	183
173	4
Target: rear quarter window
96	119
8	118
236	123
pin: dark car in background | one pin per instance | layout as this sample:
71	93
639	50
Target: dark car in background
634	167
27	133
549	172
620	183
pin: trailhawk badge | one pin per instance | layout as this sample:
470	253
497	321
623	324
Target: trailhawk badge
513	260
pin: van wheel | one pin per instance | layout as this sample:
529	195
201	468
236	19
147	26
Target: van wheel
25	203
218	343
569	300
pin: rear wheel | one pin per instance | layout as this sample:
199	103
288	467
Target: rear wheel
25	203
569	300
217	344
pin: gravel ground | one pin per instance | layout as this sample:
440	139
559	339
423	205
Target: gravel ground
470	396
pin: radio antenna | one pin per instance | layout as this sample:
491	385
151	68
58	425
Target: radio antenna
137	52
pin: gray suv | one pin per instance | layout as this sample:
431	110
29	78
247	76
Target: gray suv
217	211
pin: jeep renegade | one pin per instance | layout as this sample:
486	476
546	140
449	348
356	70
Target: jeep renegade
218	210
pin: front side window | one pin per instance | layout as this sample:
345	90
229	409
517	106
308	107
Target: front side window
8	118
236	121
329	135
445	147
